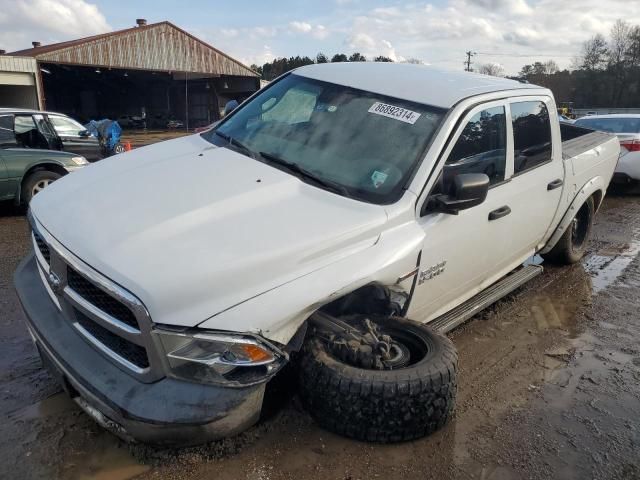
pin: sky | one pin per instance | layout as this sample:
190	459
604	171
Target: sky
511	33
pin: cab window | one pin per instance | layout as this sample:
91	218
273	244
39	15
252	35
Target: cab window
531	135
65	126
481	148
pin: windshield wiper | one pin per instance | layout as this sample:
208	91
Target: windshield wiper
301	172
236	143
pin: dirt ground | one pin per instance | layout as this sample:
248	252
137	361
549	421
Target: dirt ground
549	388
140	138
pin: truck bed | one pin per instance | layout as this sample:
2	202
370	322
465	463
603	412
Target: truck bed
578	140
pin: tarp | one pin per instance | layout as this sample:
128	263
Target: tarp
107	131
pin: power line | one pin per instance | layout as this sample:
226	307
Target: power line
497	54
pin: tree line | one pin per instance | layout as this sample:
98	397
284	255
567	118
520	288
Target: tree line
606	73
278	66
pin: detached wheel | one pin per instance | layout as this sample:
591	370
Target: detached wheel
36	182
410	397
573	243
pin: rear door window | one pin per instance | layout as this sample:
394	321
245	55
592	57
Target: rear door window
24	124
531	135
480	148
7	137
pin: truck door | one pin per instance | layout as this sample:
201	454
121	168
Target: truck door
462	251
75	138
538	173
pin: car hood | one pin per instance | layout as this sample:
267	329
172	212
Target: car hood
192	229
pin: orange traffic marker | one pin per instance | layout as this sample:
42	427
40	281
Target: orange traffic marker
127	146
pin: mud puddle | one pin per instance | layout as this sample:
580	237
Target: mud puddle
609	263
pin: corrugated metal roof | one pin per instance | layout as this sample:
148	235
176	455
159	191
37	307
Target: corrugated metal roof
158	46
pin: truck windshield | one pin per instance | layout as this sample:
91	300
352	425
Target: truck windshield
359	144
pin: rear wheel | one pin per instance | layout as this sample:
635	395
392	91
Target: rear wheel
573	243
36	182
409	396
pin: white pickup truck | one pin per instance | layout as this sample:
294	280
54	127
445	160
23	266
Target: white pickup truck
170	284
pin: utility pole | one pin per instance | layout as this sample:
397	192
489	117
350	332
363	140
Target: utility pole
468	62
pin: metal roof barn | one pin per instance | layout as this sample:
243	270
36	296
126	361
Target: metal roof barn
156	69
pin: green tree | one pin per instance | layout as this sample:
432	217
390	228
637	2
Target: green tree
339	57
321	58
357	57
382	58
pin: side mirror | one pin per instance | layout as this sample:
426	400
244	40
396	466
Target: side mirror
85	133
467	190
230	107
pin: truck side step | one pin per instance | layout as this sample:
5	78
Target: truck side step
482	300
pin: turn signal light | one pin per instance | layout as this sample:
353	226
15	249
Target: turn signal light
255	354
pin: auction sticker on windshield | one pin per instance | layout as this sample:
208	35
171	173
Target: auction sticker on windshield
397	113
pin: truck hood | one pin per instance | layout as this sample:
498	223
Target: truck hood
192	229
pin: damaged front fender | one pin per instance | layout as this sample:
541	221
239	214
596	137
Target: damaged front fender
278	314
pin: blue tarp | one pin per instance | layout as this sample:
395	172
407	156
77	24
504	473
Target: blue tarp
107	131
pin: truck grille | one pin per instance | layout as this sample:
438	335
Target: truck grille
100	298
110	318
42	246
131	352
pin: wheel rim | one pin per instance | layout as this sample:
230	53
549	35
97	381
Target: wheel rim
580	228
40	185
405	349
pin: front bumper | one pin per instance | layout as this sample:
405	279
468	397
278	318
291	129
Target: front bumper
167	411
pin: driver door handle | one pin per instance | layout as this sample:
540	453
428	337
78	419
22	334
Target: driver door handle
557	183
499	213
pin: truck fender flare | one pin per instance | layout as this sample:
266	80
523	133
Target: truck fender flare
596	184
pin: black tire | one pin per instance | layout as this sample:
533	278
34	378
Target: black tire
382	405
573	243
40	178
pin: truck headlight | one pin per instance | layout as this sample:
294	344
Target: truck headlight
220	358
79	161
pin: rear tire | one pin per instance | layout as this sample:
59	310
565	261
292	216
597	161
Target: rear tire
36	182
573	243
382	405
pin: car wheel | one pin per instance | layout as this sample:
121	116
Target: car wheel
119	148
573	243
36	182
409	398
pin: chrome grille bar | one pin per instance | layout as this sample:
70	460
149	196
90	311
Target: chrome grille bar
102	329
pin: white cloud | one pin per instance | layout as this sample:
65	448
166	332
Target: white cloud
300	27
522	31
316	31
361	41
510	32
518	7
48	21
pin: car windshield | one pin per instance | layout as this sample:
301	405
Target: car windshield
611	125
363	144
